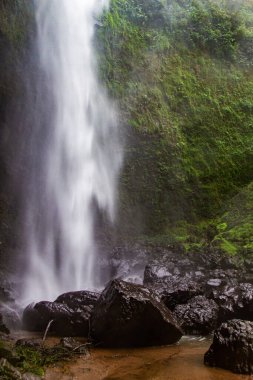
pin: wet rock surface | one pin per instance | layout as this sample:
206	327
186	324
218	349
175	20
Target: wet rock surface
235	301
198	317
78	300
179	291
129	315
70	317
128	263
177	279
232	347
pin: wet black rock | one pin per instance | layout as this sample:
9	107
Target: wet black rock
155	275
158	274
162	276
174	289
69	313
235	301
29	343
199	316
179	291
129	315
31	319
232	347
65	321
78	300
202	266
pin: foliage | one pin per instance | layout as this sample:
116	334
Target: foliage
214	27
237	237
35	360
183	79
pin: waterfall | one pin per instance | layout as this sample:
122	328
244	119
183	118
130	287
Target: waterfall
81	159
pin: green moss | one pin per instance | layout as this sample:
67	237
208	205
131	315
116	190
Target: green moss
15	17
239	221
227	247
32	360
183	80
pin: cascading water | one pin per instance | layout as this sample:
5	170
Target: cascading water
82	157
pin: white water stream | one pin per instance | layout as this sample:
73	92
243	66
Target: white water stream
82	158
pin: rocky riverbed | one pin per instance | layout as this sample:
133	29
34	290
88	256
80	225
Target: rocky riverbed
155	298
199	291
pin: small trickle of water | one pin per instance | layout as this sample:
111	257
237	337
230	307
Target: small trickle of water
82	158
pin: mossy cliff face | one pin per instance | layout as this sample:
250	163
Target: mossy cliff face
16	24
15	33
182	73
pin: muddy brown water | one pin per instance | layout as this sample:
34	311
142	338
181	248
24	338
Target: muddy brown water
183	361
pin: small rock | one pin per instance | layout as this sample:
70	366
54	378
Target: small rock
31	343
69	343
214	282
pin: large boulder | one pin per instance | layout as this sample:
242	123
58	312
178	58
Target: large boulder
69	313
130	315
65	321
199	316
232	347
